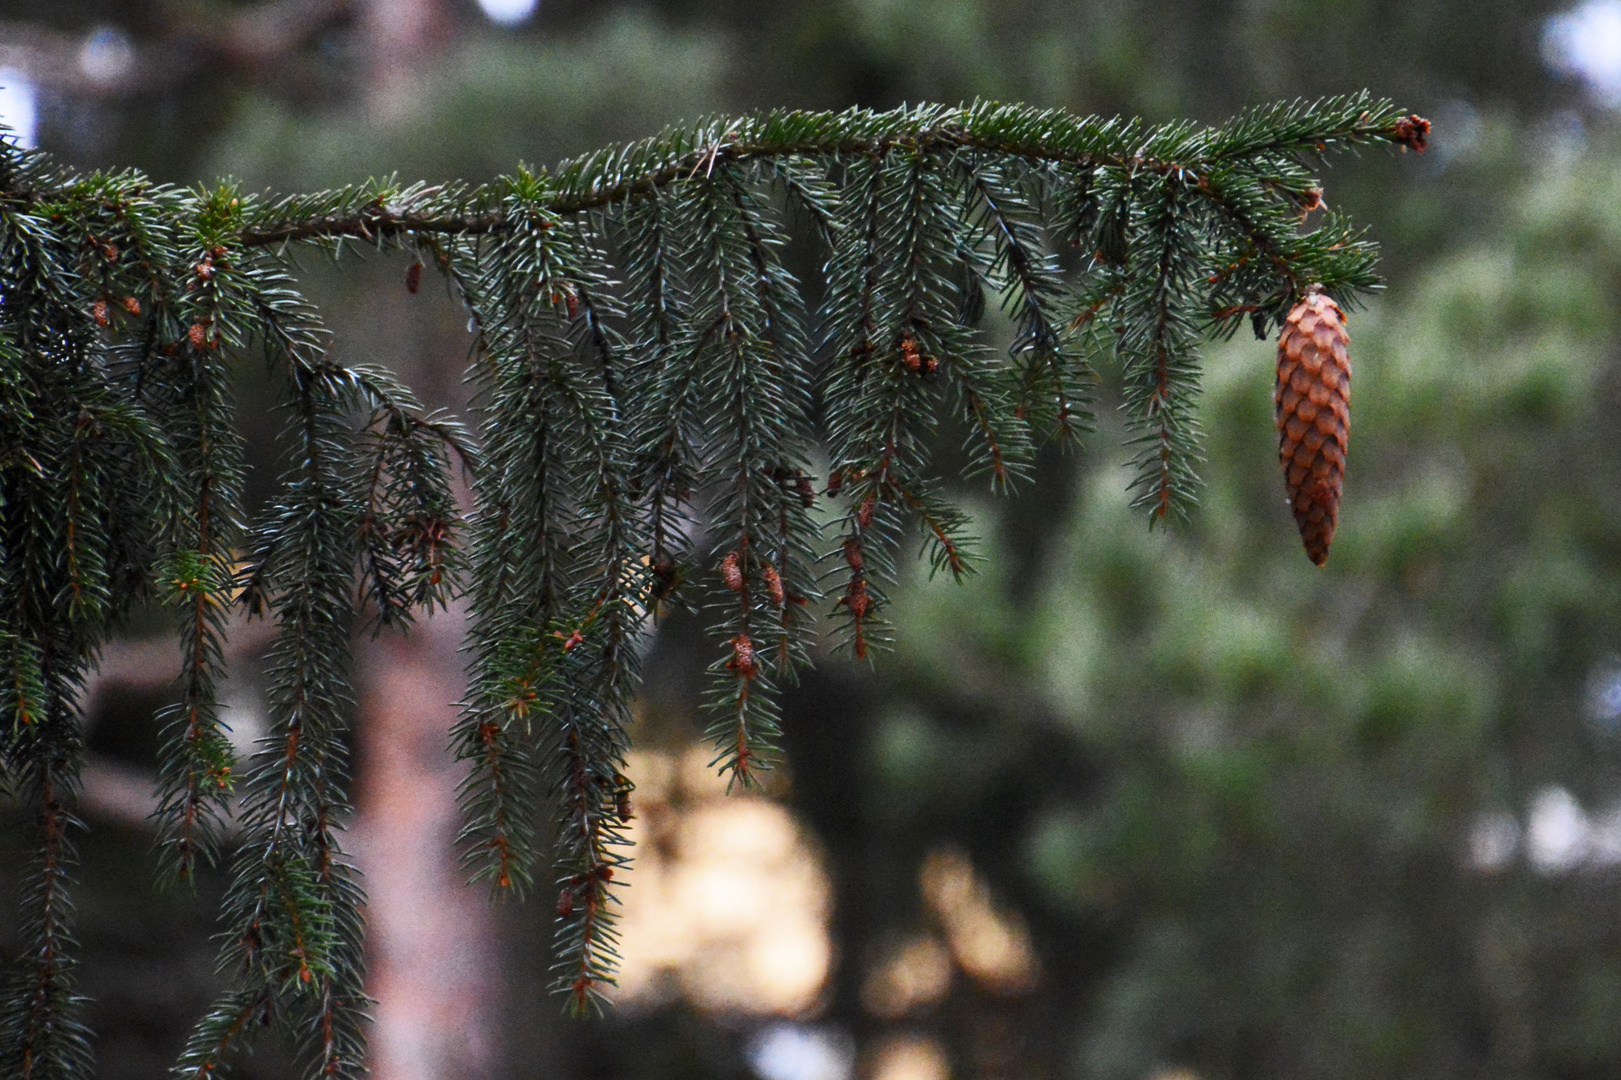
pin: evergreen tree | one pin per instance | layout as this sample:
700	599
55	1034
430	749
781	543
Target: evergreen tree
655	395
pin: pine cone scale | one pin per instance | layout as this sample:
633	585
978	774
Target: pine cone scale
1313	408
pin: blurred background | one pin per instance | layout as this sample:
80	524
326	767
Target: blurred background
1127	806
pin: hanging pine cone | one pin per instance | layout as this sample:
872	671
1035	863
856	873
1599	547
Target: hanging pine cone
1313	400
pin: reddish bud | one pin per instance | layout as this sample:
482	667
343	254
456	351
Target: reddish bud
198	335
742	660
909	354
665	576
807	491
773	584
111	251
864	514
565	903
98	312
731	573
852	553
857	599
413	277
131	305
1413	131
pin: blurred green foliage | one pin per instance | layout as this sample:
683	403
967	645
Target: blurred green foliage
488	101
1289	762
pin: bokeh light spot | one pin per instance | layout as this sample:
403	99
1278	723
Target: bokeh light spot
1586	43
910	1058
508	12
18	110
991	944
802	1052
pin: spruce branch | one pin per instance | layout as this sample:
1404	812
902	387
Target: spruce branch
196	578
652	388
40	1033
1014	131
1054	383
1157	346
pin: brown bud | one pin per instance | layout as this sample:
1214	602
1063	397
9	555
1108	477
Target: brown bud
565	903
1413	131
731	573
852	553
413	277
622	789
98	312
665	575
742	660
131	305
198	335
909	354
807	491
864	513
773	584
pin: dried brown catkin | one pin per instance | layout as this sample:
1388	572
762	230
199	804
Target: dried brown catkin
1313	400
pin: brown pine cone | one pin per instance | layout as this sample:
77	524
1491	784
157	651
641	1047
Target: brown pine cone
1313	400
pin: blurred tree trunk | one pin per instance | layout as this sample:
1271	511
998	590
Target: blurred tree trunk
430	936
399	38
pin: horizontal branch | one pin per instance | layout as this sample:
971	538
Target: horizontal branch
1044	136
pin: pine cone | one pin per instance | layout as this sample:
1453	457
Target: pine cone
1313	402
